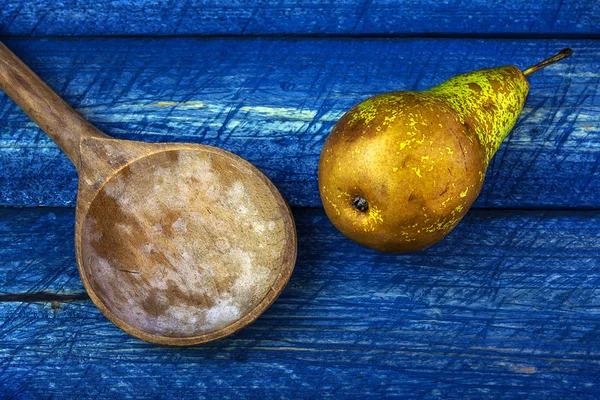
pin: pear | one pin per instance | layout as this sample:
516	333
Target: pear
400	170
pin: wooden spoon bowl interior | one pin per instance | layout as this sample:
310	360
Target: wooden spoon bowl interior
185	246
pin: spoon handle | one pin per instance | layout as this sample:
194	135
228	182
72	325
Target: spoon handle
60	121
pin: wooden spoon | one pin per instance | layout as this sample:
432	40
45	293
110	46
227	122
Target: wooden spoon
177	244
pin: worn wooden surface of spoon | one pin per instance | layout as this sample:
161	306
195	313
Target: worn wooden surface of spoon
177	244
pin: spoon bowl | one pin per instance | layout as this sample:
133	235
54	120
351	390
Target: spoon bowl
184	245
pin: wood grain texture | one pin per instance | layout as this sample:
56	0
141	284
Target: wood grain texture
247	17
274	101
506	306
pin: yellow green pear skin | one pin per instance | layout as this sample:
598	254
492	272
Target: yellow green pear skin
417	160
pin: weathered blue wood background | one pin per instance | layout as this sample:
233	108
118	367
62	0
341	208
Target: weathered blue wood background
508	306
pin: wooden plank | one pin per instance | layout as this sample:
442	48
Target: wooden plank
274	101
70	351
507	306
526	246
245	17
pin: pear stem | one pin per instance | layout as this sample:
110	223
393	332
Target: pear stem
564	53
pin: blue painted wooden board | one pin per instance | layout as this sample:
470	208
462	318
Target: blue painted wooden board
507	306
243	17
273	101
37	251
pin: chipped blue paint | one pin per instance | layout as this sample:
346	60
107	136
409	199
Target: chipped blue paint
274	101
